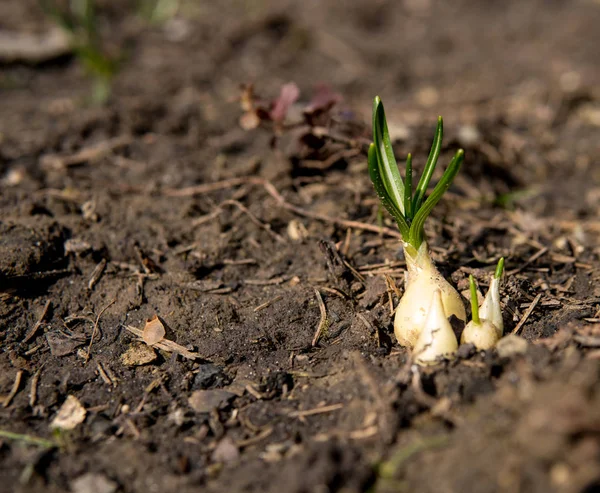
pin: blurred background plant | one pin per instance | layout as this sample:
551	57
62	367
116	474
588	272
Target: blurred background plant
158	11
78	18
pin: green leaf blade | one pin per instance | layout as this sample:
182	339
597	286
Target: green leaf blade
434	154
408	187
416	228
474	301
388	168
387	202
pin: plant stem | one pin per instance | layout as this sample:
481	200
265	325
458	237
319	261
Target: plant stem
42	442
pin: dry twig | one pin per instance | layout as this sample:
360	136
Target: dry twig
38	324
527	313
323	321
14	390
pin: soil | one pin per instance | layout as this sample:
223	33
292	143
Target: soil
159	203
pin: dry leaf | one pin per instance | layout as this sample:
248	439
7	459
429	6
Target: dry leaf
154	331
70	414
167	345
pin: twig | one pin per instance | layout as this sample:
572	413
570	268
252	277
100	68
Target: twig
166	345
95	329
255	220
14	390
527	313
38	324
92	153
207	187
266	282
97	274
323	321
253	440
34	384
317	410
272	191
531	259
268	303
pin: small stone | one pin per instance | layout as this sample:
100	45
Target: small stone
60	345
204	401
93	483
209	375
138	354
511	345
226	451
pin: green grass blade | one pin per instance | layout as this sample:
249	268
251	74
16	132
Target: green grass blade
434	154
408	187
474	301
416	228
388	203
388	168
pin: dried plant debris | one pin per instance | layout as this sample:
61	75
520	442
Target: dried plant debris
165	344
138	355
70	415
154	331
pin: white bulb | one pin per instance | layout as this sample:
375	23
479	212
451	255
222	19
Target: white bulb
436	338
483	335
423	280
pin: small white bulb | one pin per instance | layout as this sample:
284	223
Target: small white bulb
490	309
436	338
423	279
483	335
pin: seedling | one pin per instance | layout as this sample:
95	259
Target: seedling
479	331
490	308
410	210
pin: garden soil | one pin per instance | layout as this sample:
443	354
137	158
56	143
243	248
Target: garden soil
195	201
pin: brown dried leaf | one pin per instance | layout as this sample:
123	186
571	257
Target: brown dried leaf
323	99
166	345
154	331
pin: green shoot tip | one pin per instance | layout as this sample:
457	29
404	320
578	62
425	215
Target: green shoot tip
474	301
499	268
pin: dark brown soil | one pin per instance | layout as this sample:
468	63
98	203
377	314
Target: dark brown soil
108	216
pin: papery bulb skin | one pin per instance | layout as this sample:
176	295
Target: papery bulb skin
490	309
483	335
423	279
436	338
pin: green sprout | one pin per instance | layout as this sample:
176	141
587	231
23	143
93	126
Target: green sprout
474	301
499	268
410	210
